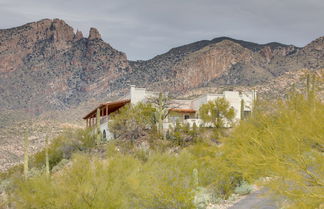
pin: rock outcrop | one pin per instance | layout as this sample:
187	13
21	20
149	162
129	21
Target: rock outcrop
94	34
78	35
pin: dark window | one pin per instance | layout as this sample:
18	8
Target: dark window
246	114
104	135
186	117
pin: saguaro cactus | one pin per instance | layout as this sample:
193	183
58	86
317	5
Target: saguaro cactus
308	86
47	168
161	111
195	178
26	156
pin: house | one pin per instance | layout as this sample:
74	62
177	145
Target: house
185	111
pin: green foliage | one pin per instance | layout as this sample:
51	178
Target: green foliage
283	141
243	189
219	113
182	135
62	147
162	180
132	122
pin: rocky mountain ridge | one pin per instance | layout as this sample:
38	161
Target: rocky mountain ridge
45	66
226	61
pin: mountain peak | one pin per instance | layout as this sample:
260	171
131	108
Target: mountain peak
78	35
317	44
94	34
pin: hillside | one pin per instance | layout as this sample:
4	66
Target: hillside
46	66
225	61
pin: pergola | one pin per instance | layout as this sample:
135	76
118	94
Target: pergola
105	110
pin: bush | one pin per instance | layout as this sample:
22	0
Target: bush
243	189
183	135
284	142
131	180
63	146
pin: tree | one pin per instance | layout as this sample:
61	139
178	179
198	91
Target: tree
132	121
284	142
218	112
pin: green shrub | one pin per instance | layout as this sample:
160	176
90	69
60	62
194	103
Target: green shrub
63	146
243	189
161	180
283	141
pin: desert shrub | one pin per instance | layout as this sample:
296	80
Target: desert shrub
243	189
58	167
215	171
13	171
86	138
183	135
284	142
119	182
126	180
63	146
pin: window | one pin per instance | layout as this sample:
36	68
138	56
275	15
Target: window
104	135
186	117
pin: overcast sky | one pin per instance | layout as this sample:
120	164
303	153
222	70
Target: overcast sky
145	28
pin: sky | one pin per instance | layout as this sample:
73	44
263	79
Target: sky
145	28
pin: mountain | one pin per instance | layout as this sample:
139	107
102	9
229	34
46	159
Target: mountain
225	61
45	65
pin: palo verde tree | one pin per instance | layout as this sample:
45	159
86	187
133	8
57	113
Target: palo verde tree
218	112
284	142
131	121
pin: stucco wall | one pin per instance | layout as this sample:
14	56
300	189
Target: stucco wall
104	126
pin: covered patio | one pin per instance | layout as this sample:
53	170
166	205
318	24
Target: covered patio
105	110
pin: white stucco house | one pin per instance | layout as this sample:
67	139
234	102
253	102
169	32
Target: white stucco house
185	111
